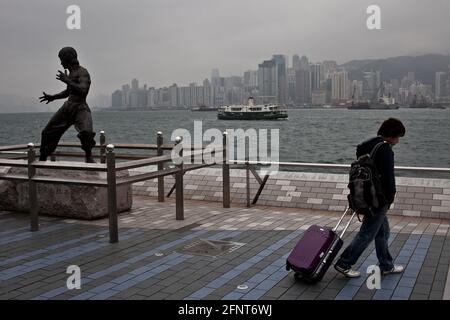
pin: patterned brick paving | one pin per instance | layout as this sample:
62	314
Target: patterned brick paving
147	263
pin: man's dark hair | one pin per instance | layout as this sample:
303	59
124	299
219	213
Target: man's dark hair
392	128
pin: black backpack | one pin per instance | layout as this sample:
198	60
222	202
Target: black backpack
364	184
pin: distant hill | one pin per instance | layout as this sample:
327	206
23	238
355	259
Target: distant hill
424	67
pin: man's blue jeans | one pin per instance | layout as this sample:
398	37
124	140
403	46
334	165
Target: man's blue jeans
373	227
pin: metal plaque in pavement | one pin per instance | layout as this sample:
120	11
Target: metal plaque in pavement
210	248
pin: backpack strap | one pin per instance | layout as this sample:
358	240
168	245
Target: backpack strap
375	149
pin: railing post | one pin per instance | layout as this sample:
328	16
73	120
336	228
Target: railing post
247	179
32	190
102	146
112	194
179	203
225	172
159	143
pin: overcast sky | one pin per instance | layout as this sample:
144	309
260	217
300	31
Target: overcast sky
161	42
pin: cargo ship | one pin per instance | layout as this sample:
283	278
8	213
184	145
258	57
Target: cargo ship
203	108
383	102
422	103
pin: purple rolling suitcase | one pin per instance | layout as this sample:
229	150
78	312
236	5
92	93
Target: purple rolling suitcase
316	250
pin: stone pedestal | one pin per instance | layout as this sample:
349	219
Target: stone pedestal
71	201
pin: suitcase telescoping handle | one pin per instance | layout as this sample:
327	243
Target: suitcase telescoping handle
317	274
348	223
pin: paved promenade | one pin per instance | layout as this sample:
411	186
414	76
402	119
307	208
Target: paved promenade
209	255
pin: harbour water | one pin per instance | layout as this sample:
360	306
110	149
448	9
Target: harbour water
309	135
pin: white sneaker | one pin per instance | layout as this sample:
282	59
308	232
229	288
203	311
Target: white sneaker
395	269
349	273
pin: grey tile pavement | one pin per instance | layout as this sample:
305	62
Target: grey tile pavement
181	276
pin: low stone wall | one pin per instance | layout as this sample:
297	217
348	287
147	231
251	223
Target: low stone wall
62	200
416	197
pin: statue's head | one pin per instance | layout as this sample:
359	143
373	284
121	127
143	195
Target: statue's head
68	57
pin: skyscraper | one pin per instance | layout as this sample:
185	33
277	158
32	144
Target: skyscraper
296	62
291	85
173	96
116	99
134	84
207	93
317	76
440	85
151	96
250	79
281	65
268	81
193	90
125	95
370	86
448	83
340	87
215	77
378	78
303	81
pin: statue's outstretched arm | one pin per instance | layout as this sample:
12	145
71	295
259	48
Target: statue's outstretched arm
61	95
49	98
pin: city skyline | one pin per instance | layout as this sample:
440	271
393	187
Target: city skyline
311	92
169	41
299	82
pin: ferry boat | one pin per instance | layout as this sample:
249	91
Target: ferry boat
251	112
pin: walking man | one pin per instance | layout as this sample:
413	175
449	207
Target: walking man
376	226
75	111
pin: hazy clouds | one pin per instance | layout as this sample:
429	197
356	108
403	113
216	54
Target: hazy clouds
165	41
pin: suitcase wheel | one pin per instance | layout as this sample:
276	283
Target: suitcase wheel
311	280
298	275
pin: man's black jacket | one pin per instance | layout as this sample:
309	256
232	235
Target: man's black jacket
384	161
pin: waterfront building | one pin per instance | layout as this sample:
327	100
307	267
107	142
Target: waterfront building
317	76
440	85
268	81
340	87
281	74
116	99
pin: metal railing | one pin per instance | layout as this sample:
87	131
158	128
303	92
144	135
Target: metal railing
108	164
250	167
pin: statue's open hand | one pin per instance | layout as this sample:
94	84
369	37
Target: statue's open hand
46	97
63	76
